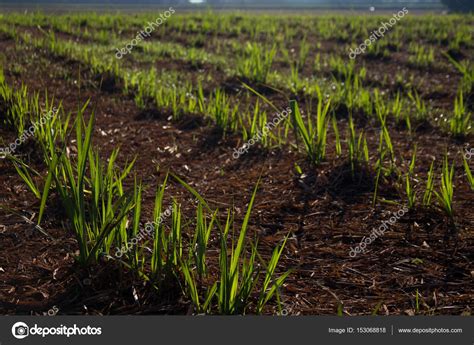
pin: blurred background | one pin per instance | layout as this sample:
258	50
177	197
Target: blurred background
364	5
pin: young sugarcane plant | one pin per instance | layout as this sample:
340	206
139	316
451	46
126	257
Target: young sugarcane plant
25	172
192	290
257	122
201	239
303	54
446	192
385	135
221	110
270	284
167	253
93	204
429	187
460	122
379	168
468	171
338	137
238	275
313	134
382	172
421	114
466	68
410	192
269	137
160	269
256	63
197	253
296	82
396	109
358	149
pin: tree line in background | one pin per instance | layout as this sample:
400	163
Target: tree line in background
459	5
452	5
